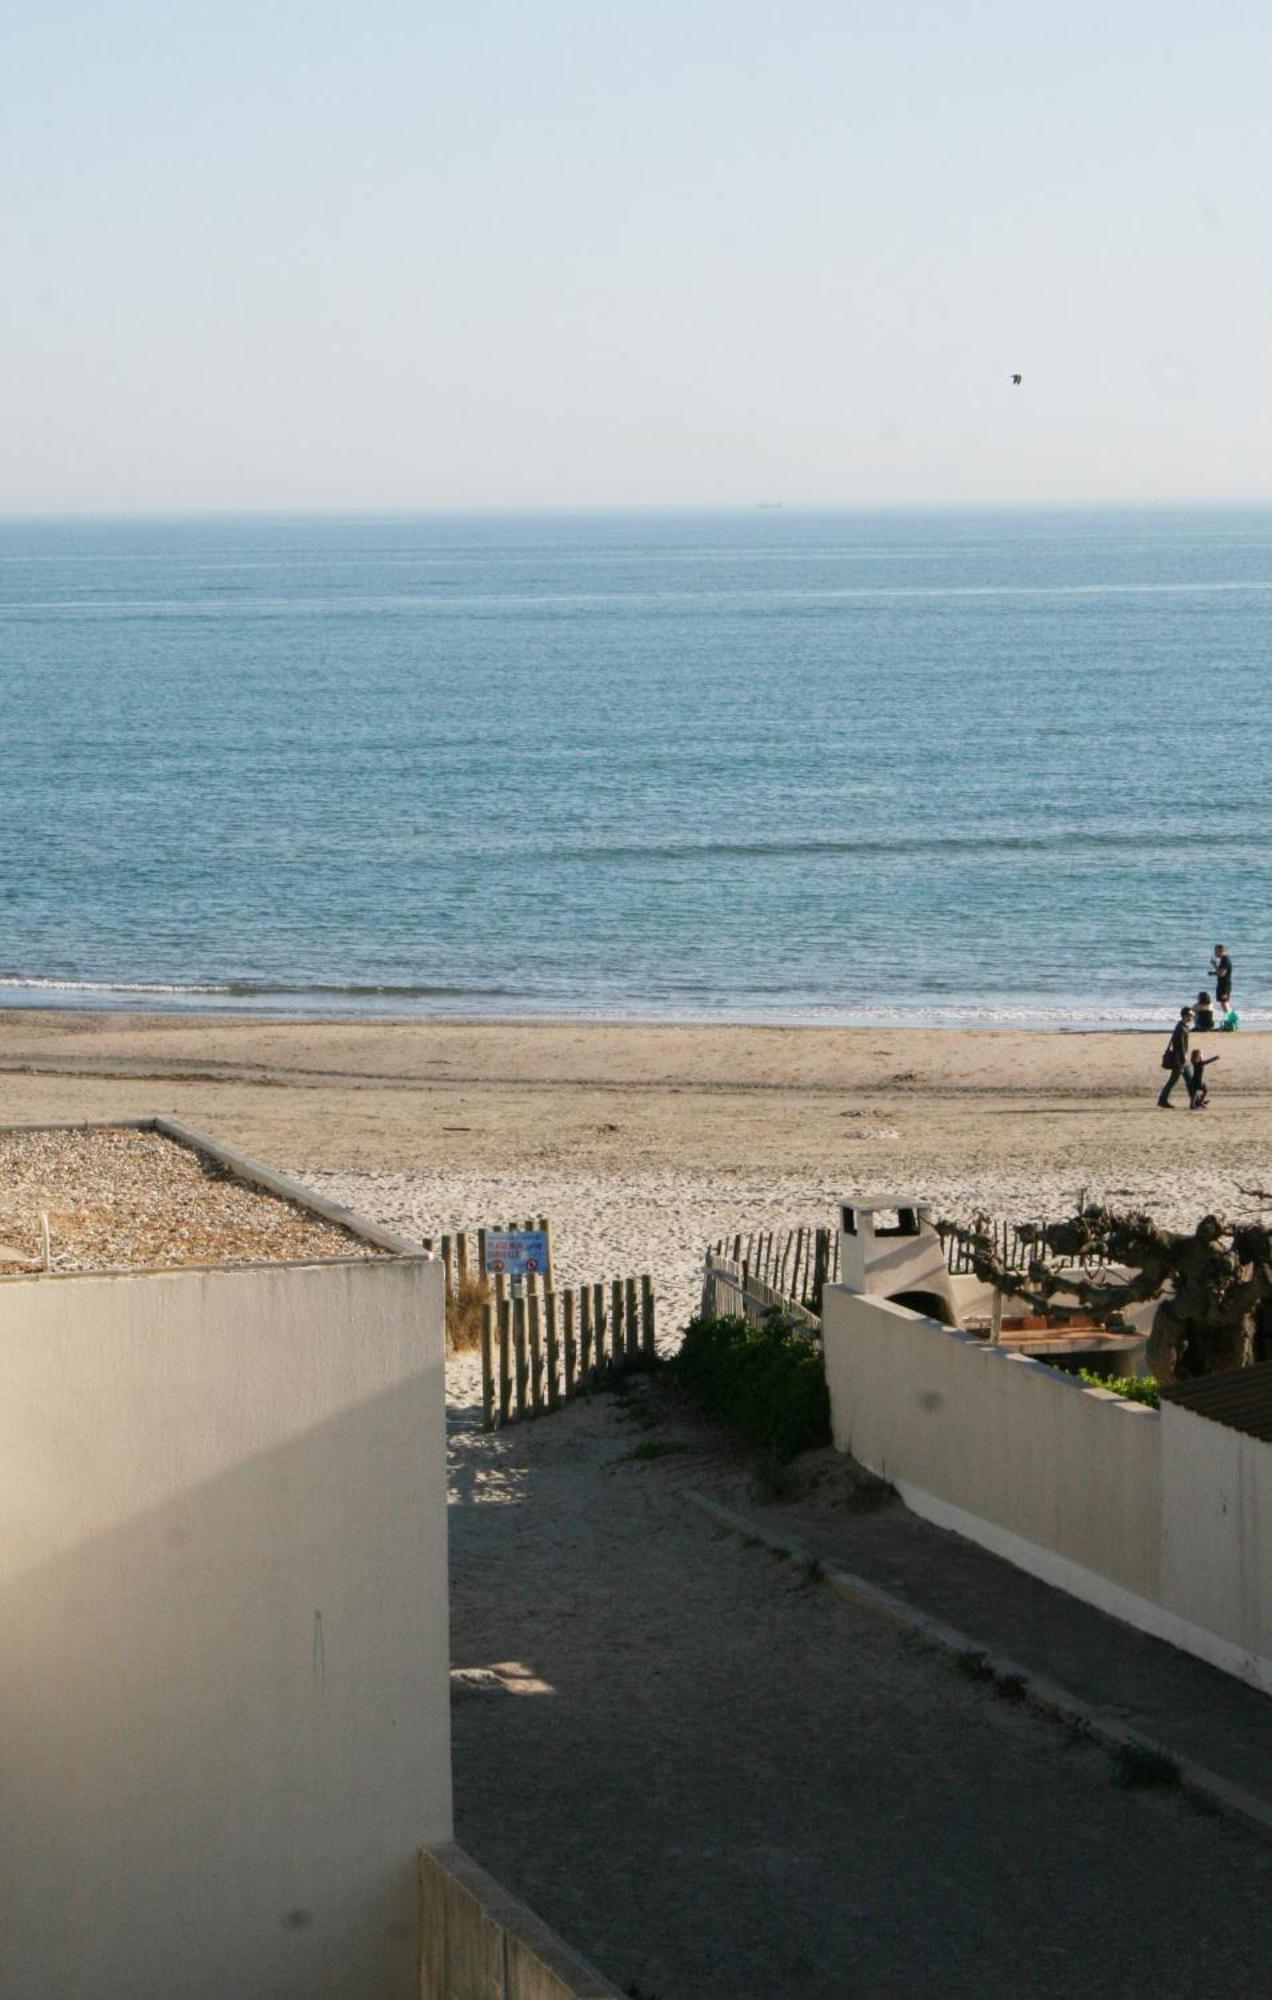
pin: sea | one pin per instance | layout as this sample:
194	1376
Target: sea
767	765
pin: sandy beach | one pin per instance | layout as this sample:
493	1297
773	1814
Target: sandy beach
642	1143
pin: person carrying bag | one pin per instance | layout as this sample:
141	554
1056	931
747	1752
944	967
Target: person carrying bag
1175	1056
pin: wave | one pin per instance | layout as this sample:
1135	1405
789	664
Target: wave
689	1004
1064	841
247	989
499	602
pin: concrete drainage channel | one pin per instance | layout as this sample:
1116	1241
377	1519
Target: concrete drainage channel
1135	1749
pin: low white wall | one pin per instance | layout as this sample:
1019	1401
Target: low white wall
1217	1538
1163	1519
1061	1479
480	1943
223	1634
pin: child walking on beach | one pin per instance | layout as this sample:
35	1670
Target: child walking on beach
1198	1095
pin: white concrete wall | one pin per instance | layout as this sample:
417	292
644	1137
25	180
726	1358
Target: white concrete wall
1217	1539
1061	1479
1162	1519
223	1630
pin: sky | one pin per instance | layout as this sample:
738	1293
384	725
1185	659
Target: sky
661	253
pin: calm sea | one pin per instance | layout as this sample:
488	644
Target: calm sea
768	765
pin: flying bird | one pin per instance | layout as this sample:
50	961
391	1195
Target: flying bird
1017	380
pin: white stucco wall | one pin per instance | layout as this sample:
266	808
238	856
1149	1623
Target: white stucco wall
223	1636
1217	1537
1061	1479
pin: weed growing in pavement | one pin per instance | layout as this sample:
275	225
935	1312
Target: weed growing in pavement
639	1413
867	1494
1137	1767
775	1481
973	1666
977	1666
655	1448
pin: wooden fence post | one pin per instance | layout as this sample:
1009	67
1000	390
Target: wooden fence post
551	1349
632	1323
598	1327
585	1339
461	1262
617	1343
534	1311
503	1309
519	1354
821	1260
647	1318
448	1259
487	1366
481	1253
567	1341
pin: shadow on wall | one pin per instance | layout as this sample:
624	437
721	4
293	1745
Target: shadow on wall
234	1729
930	1304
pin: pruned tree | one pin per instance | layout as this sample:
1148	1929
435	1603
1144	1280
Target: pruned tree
1214	1284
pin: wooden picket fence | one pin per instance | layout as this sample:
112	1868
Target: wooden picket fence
729	1289
463	1251
542	1348
792	1266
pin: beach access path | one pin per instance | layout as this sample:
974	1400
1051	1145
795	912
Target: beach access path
719	1781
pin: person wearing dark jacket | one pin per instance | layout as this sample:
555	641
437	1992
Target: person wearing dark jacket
1176	1056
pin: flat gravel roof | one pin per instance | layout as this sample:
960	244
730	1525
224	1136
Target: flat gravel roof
117	1198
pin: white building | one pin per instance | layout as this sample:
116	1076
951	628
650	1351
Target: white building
223	1639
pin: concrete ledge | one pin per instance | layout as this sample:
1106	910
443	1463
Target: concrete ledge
1045	1694
253	1174
479	1943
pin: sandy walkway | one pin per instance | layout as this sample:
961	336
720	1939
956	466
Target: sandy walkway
722	1783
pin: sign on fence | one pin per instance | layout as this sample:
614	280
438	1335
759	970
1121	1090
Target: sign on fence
517	1253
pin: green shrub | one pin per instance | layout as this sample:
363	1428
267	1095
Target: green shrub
1133	1388
766	1382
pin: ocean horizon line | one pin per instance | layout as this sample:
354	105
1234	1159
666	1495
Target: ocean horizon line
625	509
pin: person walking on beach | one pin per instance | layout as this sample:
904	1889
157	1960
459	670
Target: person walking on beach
1198	1093
1221	966
1175	1058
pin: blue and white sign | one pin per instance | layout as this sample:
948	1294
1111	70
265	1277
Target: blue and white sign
517	1253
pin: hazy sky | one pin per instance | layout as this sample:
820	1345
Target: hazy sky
294	254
